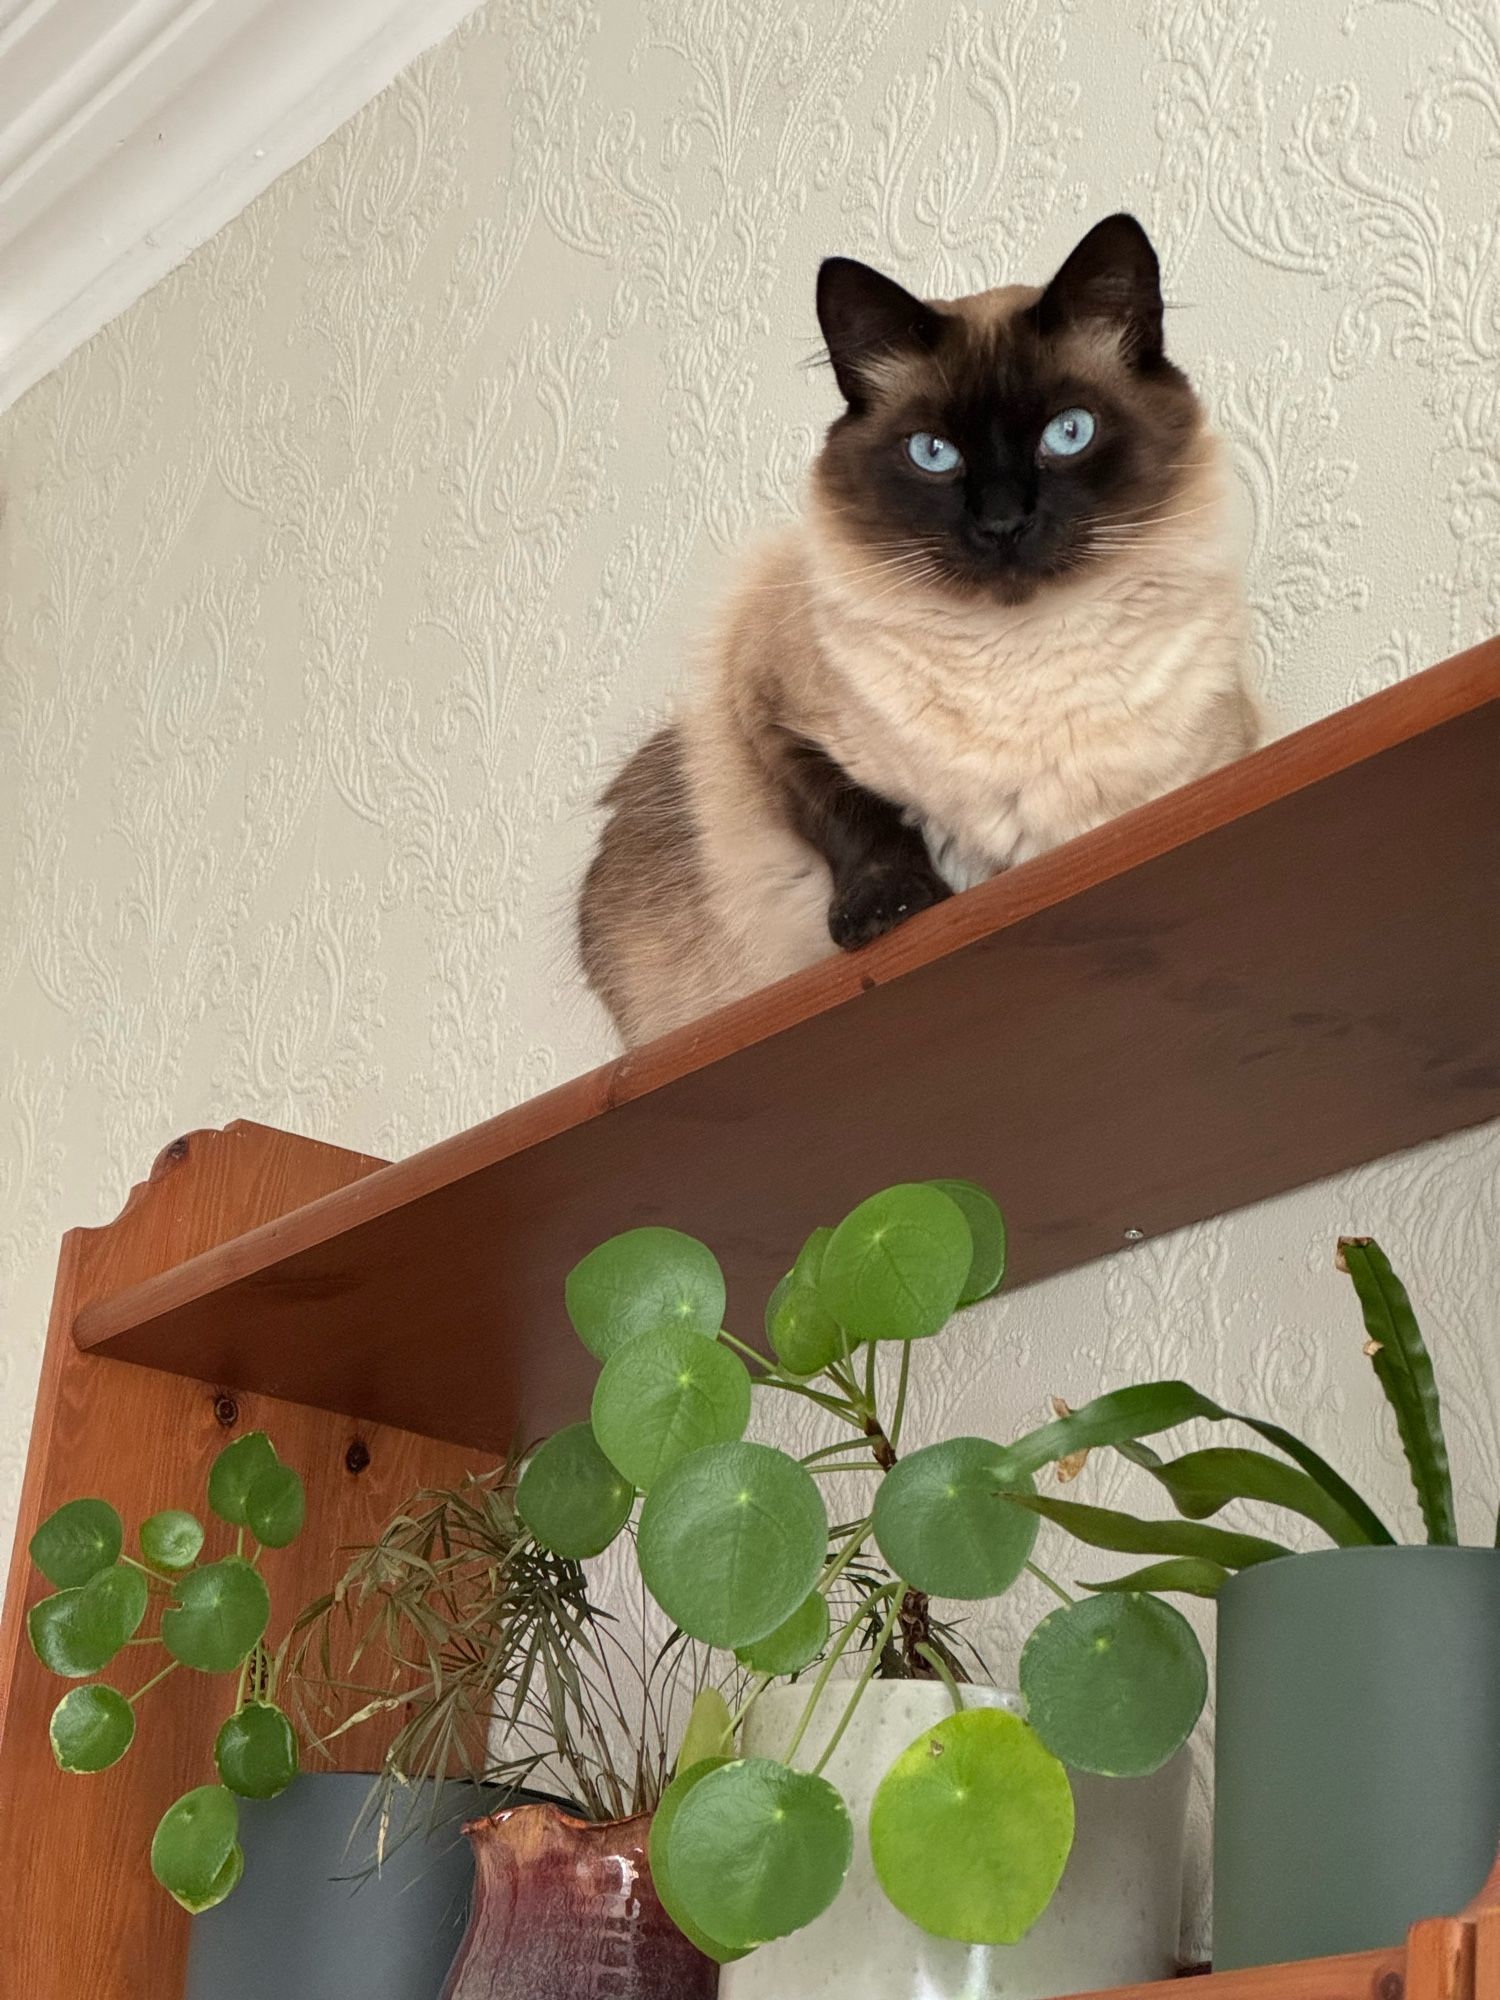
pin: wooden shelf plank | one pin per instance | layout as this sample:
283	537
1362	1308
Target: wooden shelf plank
1284	970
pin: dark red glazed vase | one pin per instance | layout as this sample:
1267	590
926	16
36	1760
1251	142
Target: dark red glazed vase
564	1910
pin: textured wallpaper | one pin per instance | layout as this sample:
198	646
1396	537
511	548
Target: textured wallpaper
336	572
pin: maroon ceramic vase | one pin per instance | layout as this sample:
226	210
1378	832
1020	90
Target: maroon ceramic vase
564	1910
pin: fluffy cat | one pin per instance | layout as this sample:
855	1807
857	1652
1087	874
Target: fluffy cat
1008	614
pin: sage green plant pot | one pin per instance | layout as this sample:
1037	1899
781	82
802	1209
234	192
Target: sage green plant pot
302	1925
1357	1755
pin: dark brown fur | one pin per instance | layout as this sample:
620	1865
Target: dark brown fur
775	779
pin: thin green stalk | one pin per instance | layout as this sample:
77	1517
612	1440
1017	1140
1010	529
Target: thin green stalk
828	1450
944	1673
745	1352
169	1668
846	1555
757	1688
835	1404
900	1416
239	1541
1036	1570
835	1653
871	1357
871	1666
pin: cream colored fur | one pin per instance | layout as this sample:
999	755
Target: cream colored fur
1012	730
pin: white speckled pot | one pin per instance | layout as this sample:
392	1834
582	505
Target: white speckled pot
1113	1921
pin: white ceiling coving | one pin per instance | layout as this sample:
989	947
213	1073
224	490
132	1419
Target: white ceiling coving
131	130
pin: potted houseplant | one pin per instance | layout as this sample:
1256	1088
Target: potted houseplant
907	1835
525	1711
206	1614
1357	1753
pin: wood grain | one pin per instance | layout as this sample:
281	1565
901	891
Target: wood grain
1364	1975
1440	1960
82	1916
1282	971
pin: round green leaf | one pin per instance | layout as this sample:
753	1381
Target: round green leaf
256	1751
235	1471
809	1265
971	1828
944	1525
77	1542
805	1337
773	1303
794	1644
216	1616
662	1821
172	1539
227	1879
756	1851
665	1394
1114	1684
194	1845
79	1631
987	1229
731	1540
643	1280
91	1729
896	1267
709	1731
276	1506
571	1497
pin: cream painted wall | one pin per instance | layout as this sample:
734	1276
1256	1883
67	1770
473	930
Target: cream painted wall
337	571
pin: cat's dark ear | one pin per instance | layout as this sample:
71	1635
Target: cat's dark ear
1112	278
864	317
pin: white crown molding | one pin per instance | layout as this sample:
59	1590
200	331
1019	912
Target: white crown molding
132	130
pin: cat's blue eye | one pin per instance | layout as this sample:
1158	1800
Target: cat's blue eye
1068	433
933	454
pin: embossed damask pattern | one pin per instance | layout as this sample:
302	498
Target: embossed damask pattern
337	572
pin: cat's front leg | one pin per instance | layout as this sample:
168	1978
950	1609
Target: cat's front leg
882	871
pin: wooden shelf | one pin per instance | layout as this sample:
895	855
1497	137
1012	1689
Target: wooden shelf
1284	970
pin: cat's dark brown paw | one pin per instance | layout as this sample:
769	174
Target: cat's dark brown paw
872	903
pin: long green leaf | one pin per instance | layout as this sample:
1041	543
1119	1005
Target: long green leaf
1337	1488
1201	1482
1125	1416
1119	1418
1195	1576
1403	1368
1103	1528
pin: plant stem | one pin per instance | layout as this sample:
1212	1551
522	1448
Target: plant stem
169	1668
940	1667
836	1404
835	1653
757	1689
239	1541
845	1379
748	1353
870	1361
1051	1582
862	1683
845	1556
899	1418
828	1450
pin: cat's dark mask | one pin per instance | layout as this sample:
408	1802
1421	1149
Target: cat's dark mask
996	443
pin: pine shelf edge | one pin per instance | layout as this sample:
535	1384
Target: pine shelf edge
1285	969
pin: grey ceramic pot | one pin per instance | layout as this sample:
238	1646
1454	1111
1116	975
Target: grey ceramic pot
1357	1753
293	1930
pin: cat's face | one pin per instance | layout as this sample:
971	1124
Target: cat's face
996	444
